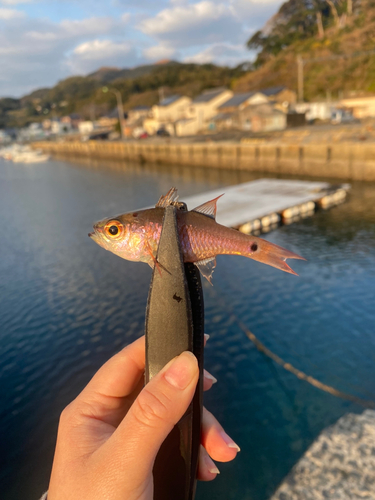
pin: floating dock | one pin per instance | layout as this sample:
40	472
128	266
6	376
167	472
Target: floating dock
262	205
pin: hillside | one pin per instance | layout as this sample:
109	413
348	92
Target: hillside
141	85
108	75
325	33
327	30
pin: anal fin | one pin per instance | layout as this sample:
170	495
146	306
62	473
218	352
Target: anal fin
206	267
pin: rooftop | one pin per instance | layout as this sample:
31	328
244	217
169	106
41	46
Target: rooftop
140	108
237	99
208	95
169	100
272	90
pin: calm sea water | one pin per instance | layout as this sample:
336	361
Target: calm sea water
66	306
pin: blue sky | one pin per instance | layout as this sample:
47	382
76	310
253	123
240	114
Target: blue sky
42	42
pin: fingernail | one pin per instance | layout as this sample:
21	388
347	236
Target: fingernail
229	441
211	465
182	370
206	337
209	376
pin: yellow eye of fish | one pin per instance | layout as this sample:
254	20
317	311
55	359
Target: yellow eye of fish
114	229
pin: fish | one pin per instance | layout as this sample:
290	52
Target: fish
135	236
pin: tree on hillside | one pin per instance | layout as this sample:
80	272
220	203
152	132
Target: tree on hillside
298	20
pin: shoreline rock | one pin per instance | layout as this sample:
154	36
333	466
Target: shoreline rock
339	465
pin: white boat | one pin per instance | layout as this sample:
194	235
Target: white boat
23	154
30	157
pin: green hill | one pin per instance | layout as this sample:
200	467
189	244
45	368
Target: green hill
141	85
334	38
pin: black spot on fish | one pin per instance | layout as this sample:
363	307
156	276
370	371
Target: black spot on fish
254	247
176	297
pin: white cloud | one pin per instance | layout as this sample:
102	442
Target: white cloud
14	2
255	13
89	56
160	51
221	53
9	14
193	24
36	52
86	27
97	49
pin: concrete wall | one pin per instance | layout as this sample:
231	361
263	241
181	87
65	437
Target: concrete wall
352	161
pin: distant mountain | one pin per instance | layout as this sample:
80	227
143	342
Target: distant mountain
107	75
142	85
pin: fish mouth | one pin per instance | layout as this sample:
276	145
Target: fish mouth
94	236
98	237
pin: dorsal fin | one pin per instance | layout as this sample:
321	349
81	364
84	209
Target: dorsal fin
208	208
207	267
168	199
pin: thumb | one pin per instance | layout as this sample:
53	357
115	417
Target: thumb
158	407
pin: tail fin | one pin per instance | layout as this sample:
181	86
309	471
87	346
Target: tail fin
273	255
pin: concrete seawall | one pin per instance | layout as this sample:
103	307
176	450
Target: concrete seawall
348	160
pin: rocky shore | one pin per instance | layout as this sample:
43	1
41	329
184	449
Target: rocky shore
339	465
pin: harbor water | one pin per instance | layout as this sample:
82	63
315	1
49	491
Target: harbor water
66	306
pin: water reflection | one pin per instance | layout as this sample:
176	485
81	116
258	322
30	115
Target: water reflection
66	305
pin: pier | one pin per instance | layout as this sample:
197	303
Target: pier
264	204
344	160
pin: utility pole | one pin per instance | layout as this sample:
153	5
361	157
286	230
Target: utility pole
300	63
120	108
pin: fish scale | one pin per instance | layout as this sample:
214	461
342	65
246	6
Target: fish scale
135	236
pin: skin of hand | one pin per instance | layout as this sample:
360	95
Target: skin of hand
109	436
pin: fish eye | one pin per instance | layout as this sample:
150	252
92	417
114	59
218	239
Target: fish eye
113	229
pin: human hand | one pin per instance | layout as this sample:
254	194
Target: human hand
110	434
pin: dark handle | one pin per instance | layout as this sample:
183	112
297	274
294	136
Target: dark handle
175	323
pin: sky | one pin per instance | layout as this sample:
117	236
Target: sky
44	41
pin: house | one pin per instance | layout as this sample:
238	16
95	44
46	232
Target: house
71	121
205	106
361	107
86	127
134	123
262	118
4	137
46	124
280	95
222	121
319	110
167	112
62	126
171	108
185	126
240	101
138	112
